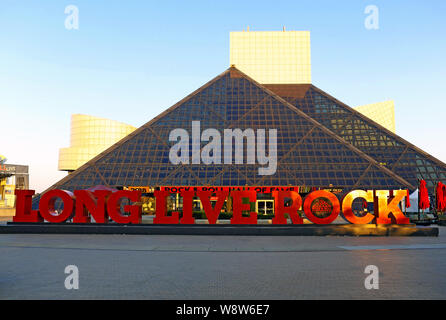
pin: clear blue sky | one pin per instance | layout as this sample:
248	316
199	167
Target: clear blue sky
130	60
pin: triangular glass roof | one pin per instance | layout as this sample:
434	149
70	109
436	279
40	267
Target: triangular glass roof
390	150
308	154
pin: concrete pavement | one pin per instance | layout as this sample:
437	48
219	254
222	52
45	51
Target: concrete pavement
221	267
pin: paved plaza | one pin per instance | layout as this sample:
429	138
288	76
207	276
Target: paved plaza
221	267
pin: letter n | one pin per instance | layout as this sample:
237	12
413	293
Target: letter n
86	202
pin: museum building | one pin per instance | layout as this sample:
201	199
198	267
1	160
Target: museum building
319	142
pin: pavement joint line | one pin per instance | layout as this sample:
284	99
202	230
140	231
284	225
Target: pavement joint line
236	250
396	247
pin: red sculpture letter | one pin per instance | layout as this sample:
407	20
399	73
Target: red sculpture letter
23	212
280	209
93	203
388	211
238	206
114	207
347	206
160	214
212	214
321	194
188	199
47	202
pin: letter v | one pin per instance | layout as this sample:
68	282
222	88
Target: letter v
212	214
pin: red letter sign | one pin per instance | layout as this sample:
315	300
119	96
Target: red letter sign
86	202
347	206
280	209
238	206
23	212
160	214
114	207
385	208
212	214
188	199
324	195
47	202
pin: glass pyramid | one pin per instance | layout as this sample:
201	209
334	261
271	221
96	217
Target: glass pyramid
390	150
329	152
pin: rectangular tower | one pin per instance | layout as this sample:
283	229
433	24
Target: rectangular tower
272	57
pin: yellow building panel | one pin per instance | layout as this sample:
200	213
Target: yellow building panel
273	57
381	112
90	136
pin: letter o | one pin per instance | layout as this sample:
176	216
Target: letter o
47	202
321	194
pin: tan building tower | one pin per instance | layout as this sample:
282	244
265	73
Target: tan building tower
90	136
272	57
284	57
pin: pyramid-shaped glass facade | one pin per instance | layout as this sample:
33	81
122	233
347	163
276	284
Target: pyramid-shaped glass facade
309	153
390	150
